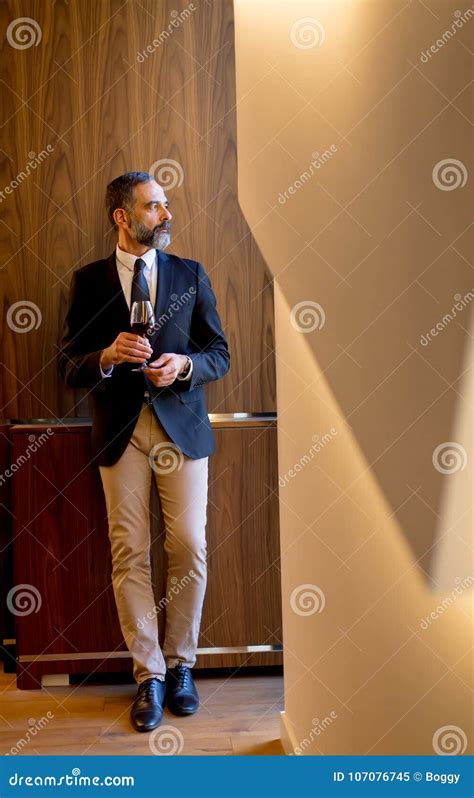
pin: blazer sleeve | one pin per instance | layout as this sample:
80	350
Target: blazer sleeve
211	361
79	366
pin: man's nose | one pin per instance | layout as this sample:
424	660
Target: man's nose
165	215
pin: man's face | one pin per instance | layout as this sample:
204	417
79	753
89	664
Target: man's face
150	217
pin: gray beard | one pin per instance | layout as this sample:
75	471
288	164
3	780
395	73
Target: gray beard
164	240
143	235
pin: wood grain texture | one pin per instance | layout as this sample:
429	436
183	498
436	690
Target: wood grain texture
84	92
7	629
61	550
239	715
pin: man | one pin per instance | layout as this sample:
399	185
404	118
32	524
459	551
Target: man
149	424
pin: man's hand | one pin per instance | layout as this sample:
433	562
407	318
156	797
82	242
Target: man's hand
164	371
127	348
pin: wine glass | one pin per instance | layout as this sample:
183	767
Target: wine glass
142	320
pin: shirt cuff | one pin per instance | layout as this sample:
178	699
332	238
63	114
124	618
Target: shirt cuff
188	375
107	373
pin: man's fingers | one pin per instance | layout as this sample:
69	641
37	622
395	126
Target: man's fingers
165	357
127	341
132	348
157	375
162	366
131	336
163	372
136	349
134	355
153	372
128	355
140	343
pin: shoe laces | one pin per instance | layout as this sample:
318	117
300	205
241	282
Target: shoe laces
148	690
182	674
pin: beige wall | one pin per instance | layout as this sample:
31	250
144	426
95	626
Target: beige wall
381	536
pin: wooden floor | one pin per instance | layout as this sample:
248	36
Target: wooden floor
238	715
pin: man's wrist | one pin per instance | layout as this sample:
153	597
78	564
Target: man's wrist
106	360
186	367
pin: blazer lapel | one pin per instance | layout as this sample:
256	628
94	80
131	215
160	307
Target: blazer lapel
118	300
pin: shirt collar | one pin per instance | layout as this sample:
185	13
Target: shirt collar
128	260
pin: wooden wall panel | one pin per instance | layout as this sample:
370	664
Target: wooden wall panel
82	95
7	626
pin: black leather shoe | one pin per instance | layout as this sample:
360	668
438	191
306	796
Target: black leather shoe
181	693
147	709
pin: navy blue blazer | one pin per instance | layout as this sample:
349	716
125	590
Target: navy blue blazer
186	322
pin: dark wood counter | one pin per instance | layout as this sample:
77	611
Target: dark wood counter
61	551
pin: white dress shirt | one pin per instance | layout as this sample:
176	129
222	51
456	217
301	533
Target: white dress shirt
125	268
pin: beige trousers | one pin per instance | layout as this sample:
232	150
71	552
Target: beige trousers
182	486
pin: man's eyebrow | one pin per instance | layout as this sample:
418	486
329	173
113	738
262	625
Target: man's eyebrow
152	202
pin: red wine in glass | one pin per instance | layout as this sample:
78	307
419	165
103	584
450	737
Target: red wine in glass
139	327
142	320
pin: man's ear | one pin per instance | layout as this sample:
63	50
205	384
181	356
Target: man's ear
121	217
